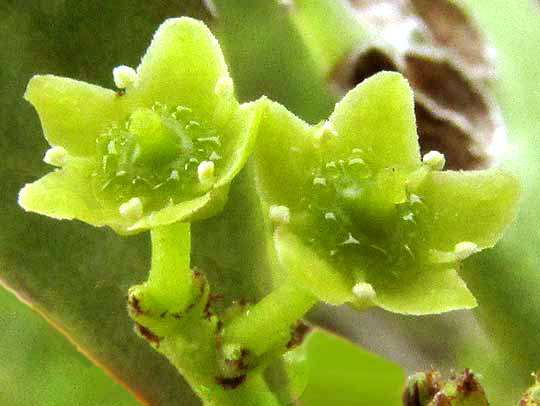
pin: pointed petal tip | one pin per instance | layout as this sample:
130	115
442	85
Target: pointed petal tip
25	201
22	196
36	82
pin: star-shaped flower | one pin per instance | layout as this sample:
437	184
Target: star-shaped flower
359	217
164	148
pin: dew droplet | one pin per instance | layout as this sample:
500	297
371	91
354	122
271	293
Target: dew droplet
111	147
351	193
409	217
329	216
174	175
319	181
414	199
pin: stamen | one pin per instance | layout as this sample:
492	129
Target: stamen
56	156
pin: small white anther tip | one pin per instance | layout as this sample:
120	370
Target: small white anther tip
205	172
280	214
124	77
56	156
132	210
435	160
465	249
364	291
224	87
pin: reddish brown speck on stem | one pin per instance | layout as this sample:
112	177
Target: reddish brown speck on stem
148	334
231	383
298	333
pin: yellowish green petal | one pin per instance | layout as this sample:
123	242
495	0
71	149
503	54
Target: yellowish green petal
181	68
474	206
285	155
73	113
377	116
189	210
428	292
242	132
310	271
65	194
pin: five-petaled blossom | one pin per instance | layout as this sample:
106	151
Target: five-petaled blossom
161	149
359	217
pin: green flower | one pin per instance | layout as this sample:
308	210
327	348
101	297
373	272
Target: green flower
162	149
359	217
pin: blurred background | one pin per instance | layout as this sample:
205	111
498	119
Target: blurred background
86	39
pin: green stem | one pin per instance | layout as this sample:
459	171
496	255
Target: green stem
193	352
170	313
267	324
171	278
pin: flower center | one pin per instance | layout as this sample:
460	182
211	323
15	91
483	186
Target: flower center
155	157
362	219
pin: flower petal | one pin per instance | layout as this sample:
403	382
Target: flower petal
190	210
307	269
65	194
377	116
73	113
284	155
239	140
473	206
181	67
428	292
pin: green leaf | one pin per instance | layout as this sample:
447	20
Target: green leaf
340	373
471	206
77	277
